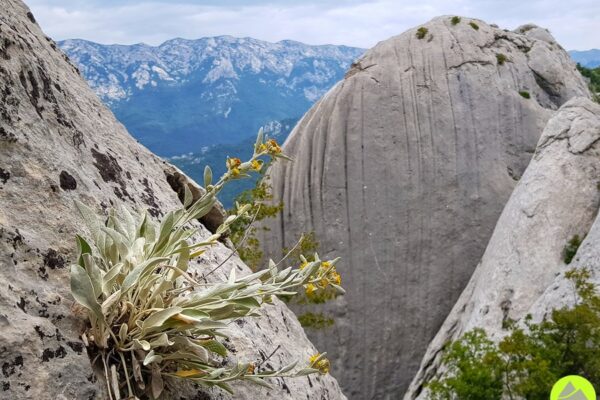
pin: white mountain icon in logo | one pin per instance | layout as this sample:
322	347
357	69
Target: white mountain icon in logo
572	393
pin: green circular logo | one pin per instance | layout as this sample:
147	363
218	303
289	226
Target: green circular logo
573	387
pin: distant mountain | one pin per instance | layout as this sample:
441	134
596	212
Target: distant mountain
184	95
587	58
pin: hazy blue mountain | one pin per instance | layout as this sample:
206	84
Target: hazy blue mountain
587	58
185	95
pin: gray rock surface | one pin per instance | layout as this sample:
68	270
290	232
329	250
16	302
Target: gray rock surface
59	143
402	169
522	268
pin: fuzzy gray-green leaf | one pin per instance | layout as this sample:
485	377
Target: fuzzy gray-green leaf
157	319
83	291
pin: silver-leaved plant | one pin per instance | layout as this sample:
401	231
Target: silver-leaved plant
149	319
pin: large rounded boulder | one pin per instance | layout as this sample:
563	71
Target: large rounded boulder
402	169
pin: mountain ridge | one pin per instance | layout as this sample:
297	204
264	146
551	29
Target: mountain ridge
588	58
188	93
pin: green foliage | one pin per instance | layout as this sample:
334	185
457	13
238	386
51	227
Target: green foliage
421	32
593	74
527	362
571	248
244	236
315	321
474	25
307	244
243	232
501	58
455	20
525	94
151	318
475	370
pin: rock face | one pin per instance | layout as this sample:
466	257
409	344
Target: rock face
522	268
59	143
402	169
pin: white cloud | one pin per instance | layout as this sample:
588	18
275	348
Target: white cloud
354	23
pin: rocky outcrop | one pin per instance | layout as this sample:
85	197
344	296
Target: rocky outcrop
402	169
58	143
522	268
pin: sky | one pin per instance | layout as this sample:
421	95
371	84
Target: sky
574	23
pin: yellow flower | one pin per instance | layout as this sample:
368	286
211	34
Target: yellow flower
303	265
235	171
322	365
336	278
233	163
257	165
262	148
310	289
325	265
324	282
273	147
313	358
250	369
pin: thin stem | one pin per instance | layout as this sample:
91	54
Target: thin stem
237	247
106	375
129	391
270	355
291	251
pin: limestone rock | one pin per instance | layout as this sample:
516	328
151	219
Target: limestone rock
402	169
59	143
522	268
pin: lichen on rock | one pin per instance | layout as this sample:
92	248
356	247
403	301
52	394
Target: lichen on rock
59	143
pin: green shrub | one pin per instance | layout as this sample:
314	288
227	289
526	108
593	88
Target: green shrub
455	20
593	75
474	25
243	232
501	58
315	321
525	94
421	32
571	248
475	369
150	317
307	244
527	362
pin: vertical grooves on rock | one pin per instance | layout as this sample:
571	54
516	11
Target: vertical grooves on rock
308	204
323	136
284	195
